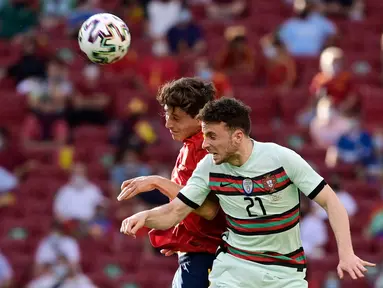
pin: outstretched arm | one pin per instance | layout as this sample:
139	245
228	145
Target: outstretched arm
161	218
132	187
340	224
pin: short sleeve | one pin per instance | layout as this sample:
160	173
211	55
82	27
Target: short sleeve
6	272
197	187
301	173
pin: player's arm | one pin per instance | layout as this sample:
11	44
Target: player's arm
132	187
313	186
160	218
188	199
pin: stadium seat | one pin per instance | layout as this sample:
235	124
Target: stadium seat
362	190
292	104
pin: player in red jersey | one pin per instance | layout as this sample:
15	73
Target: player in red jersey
197	237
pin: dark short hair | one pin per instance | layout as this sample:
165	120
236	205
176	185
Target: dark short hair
234	113
189	94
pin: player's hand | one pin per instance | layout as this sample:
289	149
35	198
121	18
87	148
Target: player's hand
132	224
132	187
168	252
354	266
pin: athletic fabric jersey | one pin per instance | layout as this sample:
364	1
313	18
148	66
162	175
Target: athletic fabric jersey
261	202
194	233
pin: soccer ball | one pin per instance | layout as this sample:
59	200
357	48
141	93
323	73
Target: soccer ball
104	38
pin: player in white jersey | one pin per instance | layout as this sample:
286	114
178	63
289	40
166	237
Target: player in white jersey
258	188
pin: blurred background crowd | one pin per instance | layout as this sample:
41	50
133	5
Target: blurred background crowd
71	132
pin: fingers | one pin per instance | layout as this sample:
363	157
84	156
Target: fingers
361	267
126	183
352	273
127	193
340	272
167	252
127	227
369	264
358	272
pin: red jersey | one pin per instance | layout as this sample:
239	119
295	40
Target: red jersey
194	233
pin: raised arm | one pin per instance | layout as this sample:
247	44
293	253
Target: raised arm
160	218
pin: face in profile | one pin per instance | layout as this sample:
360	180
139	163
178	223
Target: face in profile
220	141
180	124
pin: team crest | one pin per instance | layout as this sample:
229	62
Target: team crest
269	182
248	186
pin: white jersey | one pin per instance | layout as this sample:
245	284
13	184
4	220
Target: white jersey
261	202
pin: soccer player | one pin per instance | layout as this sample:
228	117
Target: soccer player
195	238
258	188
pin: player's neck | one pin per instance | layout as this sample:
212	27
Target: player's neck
243	154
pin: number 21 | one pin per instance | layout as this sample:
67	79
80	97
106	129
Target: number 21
252	203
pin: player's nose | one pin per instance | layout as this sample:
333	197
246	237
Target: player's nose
205	144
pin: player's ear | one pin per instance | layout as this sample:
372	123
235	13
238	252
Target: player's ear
238	136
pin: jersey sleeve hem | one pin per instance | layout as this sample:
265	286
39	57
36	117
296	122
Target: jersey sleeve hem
316	191
187	201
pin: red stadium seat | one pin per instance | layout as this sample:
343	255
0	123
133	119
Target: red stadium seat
372	108
361	190
90	135
292	104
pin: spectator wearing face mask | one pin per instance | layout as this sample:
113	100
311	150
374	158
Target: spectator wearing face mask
221	82
90	102
159	67
78	200
355	147
237	56
307	33
335	81
186	36
280	66
328	124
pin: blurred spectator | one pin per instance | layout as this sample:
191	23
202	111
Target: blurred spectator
129	166
77	203
328	125
57	262
314	234
226	9
31	64
6	272
55	246
280	66
162	15
186	36
90	102
335	82
13	166
16	18
221	82
237	56
52	11
84	10
354	9
355	147
133	11
159	67
308	32
47	101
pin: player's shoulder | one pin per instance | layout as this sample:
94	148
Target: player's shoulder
272	150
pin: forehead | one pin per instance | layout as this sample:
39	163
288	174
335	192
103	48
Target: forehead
213	127
175	111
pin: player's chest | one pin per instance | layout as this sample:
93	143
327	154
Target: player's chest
260	195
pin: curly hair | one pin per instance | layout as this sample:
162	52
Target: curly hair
189	94
234	113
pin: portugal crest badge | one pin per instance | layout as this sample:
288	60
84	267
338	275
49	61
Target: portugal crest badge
248	186
269	183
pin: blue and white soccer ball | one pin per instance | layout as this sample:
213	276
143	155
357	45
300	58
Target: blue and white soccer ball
104	38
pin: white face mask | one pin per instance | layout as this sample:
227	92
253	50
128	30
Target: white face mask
160	48
78	180
270	52
92	72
